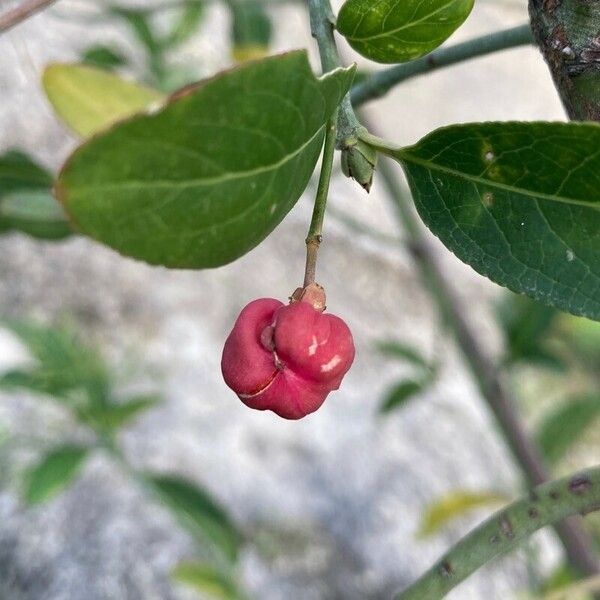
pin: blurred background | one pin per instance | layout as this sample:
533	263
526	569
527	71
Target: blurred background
128	470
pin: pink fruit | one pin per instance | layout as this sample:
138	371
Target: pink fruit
286	358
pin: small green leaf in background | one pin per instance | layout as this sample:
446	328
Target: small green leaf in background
54	473
114	416
139	22
104	57
36	213
199	513
186	24
206	179
527	325
64	364
583	337
18	172
400	394
562	428
89	99
393	31
251	30
519	202
453	505
26	203
403	352
207	580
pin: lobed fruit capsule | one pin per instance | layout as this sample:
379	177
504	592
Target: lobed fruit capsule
287	358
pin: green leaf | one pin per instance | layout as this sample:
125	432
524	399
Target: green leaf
89	99
251	30
199	513
54	473
104	57
527	325
584	338
562	428
18	172
207	178
36	213
207	580
404	353
64	364
393	31
186	24
139	23
453	505
115	416
400	394
519	202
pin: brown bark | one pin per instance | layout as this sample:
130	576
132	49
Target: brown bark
568	34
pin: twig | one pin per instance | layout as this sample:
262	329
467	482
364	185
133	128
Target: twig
321	26
315	230
576	542
544	505
23	11
380	83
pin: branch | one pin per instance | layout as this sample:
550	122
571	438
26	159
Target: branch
544	505
575	540
568	34
381	82
321	25
18	14
315	230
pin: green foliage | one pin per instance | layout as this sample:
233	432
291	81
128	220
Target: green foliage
74	374
207	580
35	213
453	505
527	325
518	202
54	473
63	365
206	179
113	416
251	29
103	57
139	23
19	173
403	352
156	45
565	425
583	337
389	31
89	99
199	513
26	204
186	24
401	392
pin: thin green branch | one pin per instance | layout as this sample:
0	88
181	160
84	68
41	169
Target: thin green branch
322	22
315	230
504	531
381	82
